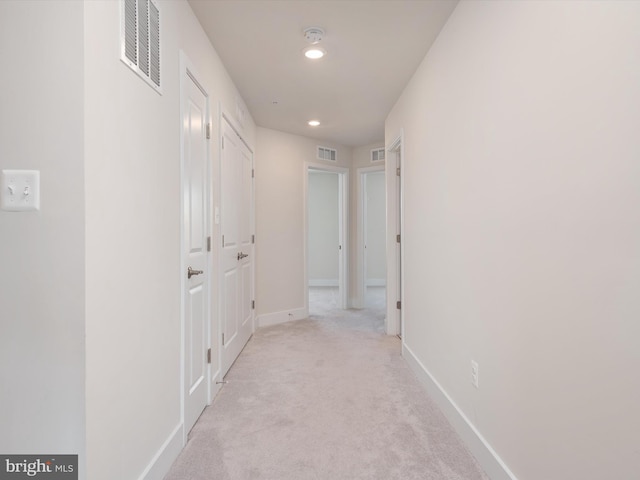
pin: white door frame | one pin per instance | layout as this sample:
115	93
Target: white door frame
361	233
395	226
189	73
343	230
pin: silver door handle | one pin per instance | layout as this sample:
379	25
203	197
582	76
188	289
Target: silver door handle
242	255
191	272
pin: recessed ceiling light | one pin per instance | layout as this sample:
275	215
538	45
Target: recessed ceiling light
314	123
314	53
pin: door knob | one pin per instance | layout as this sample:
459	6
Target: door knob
191	272
242	255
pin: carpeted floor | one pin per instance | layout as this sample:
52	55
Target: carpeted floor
326	398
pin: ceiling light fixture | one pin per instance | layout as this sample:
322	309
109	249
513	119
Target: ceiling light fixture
314	53
314	123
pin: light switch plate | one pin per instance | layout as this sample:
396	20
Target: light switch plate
20	190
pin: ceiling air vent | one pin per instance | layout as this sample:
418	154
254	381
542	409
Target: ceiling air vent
326	153
377	155
140	39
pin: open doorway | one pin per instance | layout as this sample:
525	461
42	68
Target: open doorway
394	322
375	265
372	265
326	239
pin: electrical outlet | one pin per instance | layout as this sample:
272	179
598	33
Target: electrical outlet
474	373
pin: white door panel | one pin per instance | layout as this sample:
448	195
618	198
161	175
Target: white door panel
237	251
195	201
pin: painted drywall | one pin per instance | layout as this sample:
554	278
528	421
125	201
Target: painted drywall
280	218
42	293
133	239
376	271
521	191
323	228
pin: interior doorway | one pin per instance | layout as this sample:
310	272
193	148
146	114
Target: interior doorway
394	322
236	299
194	258
372	265
326	242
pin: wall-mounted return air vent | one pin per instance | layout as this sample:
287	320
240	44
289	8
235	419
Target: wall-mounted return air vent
326	153
140	39
377	155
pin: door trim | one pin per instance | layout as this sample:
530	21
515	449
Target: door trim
343	267
395	208
360	251
188	72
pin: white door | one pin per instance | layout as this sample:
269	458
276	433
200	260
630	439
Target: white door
236	292
195	231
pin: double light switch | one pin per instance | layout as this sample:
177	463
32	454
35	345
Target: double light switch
20	190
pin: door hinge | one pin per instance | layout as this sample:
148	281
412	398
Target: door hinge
223	339
209	356
223	240
208	244
223	143
398	171
399	305
208	131
253	304
398	238
253	239
253	173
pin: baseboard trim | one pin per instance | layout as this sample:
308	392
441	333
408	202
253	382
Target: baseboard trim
492	464
323	282
276	318
164	458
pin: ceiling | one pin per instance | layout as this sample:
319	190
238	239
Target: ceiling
373	48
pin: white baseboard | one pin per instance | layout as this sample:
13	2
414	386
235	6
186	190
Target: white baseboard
164	458
376	282
323	282
275	318
492	464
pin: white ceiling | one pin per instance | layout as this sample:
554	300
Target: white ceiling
373	46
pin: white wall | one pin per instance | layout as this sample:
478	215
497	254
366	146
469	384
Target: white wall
376	271
42	294
522	184
133	239
280	219
323	228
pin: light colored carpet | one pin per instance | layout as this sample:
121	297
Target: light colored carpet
325	398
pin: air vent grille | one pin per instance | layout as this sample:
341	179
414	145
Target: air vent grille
130	31
143	36
154	44
326	153
377	155
141	39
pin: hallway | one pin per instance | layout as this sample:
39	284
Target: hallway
328	397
